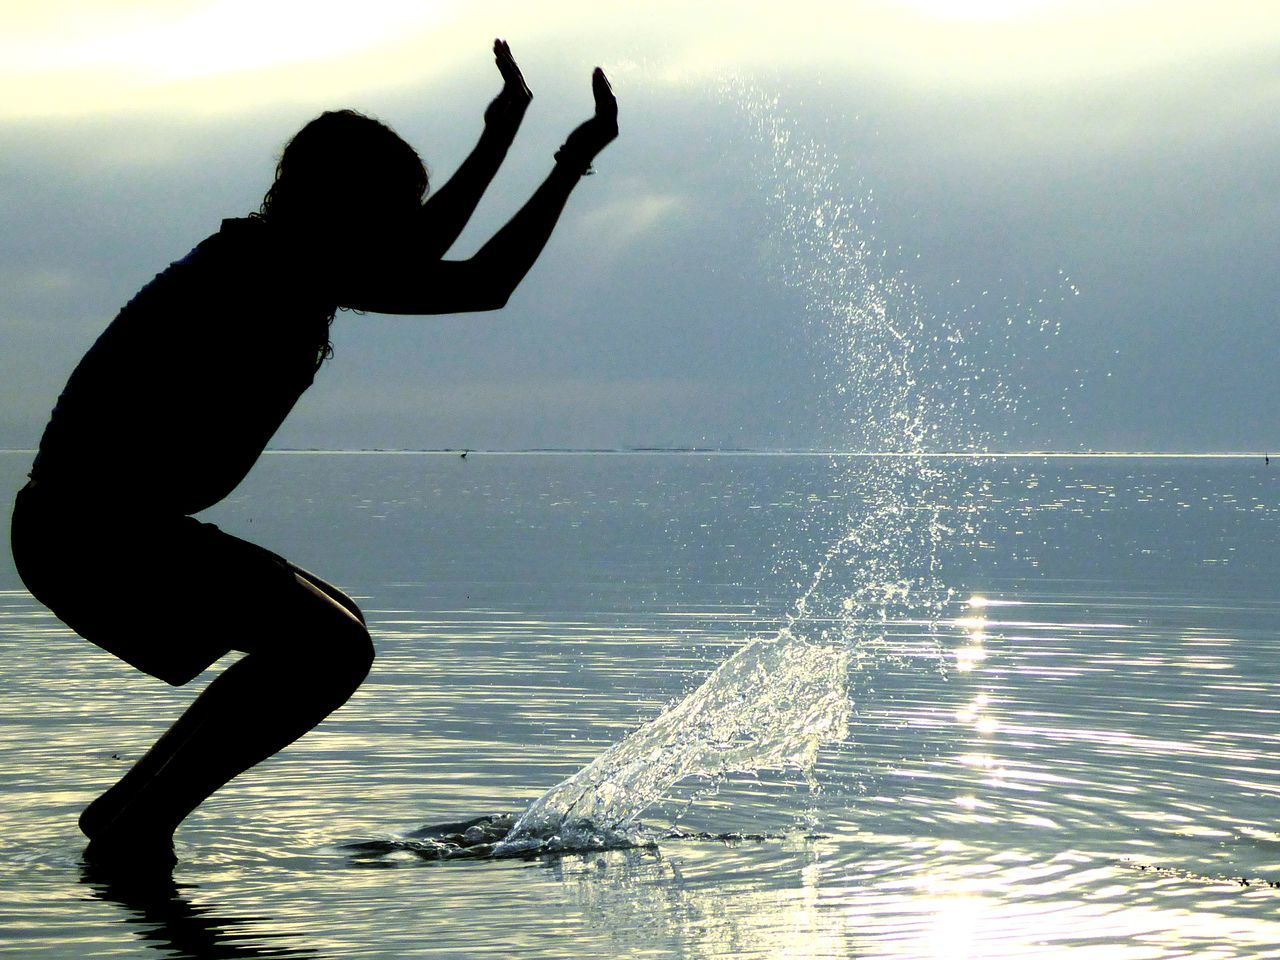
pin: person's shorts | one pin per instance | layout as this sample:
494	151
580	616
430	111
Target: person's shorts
167	594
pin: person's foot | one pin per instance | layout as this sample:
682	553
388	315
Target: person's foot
144	892
133	854
97	817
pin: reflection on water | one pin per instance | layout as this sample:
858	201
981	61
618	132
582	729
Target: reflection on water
1076	755
164	914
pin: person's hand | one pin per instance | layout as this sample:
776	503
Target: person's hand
590	138
504	114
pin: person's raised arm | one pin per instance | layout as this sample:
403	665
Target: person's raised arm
487	280
514	249
446	212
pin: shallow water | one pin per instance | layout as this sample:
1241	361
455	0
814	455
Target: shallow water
1079	759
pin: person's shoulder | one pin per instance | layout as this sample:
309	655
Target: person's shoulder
270	255
243	230
255	236
233	234
243	226
219	266
240	243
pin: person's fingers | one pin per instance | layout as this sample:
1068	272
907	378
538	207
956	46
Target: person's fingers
507	66
606	102
502	57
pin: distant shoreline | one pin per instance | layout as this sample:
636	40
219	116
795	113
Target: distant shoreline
745	452
748	452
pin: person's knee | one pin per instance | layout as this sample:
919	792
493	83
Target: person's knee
350	649
362	650
354	609
328	646
320	585
342	600
333	629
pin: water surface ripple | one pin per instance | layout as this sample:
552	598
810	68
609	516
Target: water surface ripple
1076	758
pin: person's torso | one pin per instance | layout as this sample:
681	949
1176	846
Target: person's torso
176	400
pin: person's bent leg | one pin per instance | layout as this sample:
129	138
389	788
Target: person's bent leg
282	688
328	589
106	807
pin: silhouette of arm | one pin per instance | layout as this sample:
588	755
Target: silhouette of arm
446	212
417	284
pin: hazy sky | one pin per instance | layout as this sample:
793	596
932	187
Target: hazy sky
1108	171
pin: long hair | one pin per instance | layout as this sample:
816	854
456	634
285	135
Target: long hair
340	159
344	171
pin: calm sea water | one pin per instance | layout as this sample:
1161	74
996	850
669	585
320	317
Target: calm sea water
1074	752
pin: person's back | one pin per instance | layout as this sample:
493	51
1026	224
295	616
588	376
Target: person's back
178	397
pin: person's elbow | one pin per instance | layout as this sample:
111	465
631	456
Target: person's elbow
494	297
490	284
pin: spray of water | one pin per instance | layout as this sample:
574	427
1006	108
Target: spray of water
907	382
771	705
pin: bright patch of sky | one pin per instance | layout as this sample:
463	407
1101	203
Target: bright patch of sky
77	56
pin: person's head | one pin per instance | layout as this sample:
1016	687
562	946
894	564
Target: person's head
348	172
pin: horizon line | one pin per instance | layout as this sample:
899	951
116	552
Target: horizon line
756	451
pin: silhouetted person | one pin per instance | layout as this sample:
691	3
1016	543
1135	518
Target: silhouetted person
173	404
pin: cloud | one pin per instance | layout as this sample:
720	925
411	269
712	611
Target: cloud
622	221
656	302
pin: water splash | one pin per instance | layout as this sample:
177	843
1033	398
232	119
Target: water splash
769	706
905	381
902	375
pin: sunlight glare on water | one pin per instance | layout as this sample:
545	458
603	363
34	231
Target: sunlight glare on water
1100	783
